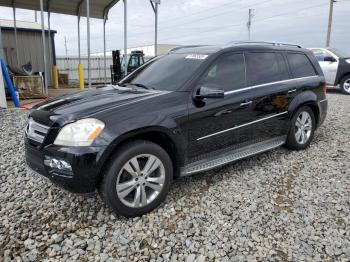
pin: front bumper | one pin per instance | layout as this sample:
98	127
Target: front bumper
84	161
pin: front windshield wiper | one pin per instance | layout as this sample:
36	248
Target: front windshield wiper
135	84
140	85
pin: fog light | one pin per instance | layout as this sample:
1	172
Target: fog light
58	164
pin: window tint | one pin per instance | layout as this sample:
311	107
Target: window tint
283	69
168	72
265	68
227	73
300	65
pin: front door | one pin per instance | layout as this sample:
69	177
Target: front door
211	120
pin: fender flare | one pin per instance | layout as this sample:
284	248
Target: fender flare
305	98
110	149
301	99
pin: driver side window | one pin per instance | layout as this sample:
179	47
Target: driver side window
227	73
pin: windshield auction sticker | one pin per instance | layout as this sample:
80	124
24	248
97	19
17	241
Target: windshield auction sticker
196	56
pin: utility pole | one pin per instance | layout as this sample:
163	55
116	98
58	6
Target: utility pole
249	23
330	19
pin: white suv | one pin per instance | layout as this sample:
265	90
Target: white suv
336	67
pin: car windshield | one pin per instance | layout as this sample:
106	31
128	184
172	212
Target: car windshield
168	72
339	53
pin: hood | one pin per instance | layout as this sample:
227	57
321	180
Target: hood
88	103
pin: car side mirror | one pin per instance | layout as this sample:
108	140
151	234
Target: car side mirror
207	92
329	59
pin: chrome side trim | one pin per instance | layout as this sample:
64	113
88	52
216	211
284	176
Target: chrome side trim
246	124
267	84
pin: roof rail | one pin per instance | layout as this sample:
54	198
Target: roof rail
183	47
262	43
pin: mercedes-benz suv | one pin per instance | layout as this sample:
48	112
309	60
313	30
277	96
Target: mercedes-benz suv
191	110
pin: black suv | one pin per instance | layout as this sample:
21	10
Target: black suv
191	110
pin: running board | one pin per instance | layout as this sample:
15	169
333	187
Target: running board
231	156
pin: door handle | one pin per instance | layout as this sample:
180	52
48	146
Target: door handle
292	91
246	103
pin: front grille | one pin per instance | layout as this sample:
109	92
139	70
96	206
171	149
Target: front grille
36	131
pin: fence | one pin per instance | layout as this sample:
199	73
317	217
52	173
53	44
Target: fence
69	65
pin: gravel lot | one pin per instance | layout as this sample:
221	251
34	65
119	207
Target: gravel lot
280	205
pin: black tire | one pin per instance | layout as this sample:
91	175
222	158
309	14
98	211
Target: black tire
107	188
292	142
343	82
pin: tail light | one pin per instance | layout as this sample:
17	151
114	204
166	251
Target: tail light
324	89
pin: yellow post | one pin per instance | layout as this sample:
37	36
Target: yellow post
55	76
81	76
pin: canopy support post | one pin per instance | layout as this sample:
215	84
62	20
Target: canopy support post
79	56
49	28
44	45
104	49
125	38
80	66
156	30
15	29
88	39
154	4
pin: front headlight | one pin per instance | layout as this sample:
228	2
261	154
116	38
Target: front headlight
348	61
80	133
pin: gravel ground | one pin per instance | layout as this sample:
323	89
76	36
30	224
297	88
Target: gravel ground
281	205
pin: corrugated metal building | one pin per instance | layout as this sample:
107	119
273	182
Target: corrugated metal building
29	45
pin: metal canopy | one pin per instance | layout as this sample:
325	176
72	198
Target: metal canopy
87	8
98	8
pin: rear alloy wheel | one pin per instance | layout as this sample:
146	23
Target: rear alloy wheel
345	85
302	129
138	178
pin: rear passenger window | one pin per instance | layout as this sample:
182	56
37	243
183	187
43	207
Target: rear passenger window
282	64
263	68
300	65
227	73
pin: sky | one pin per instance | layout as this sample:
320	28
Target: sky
186	22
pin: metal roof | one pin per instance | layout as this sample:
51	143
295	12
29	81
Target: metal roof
98	8
5	23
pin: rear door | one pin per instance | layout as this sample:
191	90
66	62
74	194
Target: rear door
303	71
270	90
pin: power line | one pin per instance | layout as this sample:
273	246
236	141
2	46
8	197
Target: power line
236	25
258	20
192	19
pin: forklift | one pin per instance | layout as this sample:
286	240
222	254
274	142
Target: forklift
133	61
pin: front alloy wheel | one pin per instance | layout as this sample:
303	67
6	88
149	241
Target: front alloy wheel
140	180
